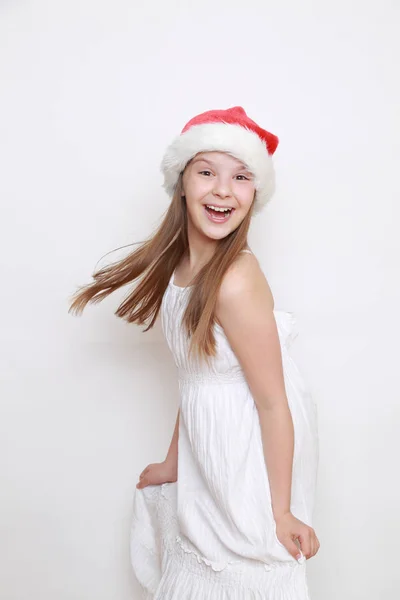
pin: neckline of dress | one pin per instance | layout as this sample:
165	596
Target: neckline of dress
178	287
188	287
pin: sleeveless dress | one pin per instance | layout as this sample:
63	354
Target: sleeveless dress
211	535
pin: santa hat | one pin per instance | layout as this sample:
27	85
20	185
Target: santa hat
230	131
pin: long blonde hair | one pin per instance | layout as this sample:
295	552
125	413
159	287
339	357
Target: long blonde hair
154	263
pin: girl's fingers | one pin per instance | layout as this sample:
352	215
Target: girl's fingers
305	545
315	546
142	481
143	473
318	546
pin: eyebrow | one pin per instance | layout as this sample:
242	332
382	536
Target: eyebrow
210	162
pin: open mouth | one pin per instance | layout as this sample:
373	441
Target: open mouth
218	214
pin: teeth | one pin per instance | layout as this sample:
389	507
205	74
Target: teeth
218	209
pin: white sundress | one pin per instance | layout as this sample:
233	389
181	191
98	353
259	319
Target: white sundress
211	535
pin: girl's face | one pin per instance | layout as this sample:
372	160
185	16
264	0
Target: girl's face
216	180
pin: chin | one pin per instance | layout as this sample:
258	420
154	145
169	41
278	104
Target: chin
216	233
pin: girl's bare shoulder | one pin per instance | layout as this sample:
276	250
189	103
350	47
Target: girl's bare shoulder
245	284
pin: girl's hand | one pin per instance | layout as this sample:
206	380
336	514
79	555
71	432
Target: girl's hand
289	528
157	473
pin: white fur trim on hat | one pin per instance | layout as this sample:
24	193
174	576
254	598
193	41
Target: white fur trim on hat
238	141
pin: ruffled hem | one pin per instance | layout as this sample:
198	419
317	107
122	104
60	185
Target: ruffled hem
168	567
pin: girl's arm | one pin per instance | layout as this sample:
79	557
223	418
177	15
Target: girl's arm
172	454
158	473
245	311
278	443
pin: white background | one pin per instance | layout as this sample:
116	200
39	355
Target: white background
91	94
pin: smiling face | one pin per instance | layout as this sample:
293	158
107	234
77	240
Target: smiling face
212	182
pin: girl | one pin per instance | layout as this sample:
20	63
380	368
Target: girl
228	514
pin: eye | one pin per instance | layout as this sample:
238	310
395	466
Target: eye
244	176
201	172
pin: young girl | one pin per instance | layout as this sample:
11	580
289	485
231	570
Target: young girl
228	514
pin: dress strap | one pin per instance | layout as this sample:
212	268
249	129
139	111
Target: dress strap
249	251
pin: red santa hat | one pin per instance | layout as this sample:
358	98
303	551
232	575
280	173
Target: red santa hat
230	131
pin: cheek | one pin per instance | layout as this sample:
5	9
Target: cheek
195	195
193	205
246	196
197	189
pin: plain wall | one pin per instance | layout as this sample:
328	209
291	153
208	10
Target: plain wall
91	94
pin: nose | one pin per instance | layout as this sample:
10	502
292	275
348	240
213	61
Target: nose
222	188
